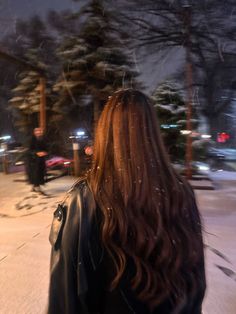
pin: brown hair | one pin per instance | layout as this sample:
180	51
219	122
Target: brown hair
149	211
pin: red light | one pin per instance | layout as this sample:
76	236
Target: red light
88	150
222	137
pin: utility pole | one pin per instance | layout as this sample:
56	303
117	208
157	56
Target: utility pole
42	112
76	159
189	81
5	159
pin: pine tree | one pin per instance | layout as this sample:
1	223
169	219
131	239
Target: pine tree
26	100
39	49
96	62
171	112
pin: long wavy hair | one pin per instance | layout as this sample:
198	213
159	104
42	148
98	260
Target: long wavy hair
149	211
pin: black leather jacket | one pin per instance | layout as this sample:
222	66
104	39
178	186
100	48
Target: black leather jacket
80	269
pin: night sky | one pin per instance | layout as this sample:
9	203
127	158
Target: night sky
11	10
24	8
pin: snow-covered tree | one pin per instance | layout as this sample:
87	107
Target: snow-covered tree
39	50
95	62
171	112
26	100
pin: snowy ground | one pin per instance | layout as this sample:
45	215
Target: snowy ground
218	209
25	219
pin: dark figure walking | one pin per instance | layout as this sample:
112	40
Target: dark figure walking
128	237
36	166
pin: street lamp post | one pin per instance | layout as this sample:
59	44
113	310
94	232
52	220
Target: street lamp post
5	159
189	82
42	111
76	159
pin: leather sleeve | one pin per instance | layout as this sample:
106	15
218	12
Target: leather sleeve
69	237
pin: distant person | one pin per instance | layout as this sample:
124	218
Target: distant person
128	237
36	166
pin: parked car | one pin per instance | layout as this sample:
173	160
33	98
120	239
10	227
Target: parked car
56	162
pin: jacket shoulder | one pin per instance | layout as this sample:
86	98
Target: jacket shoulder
78	205
77	186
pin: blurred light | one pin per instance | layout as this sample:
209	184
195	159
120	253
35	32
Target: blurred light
2	150
5	137
88	150
164	126
185	132
67	162
203	168
19	163
169	126
205	136
80	133
195	134
222	137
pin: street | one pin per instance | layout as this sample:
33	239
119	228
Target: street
25	219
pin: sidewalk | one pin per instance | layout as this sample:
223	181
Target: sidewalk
25	220
17	199
218	210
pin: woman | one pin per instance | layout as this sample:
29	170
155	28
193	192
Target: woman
36	165
127	239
